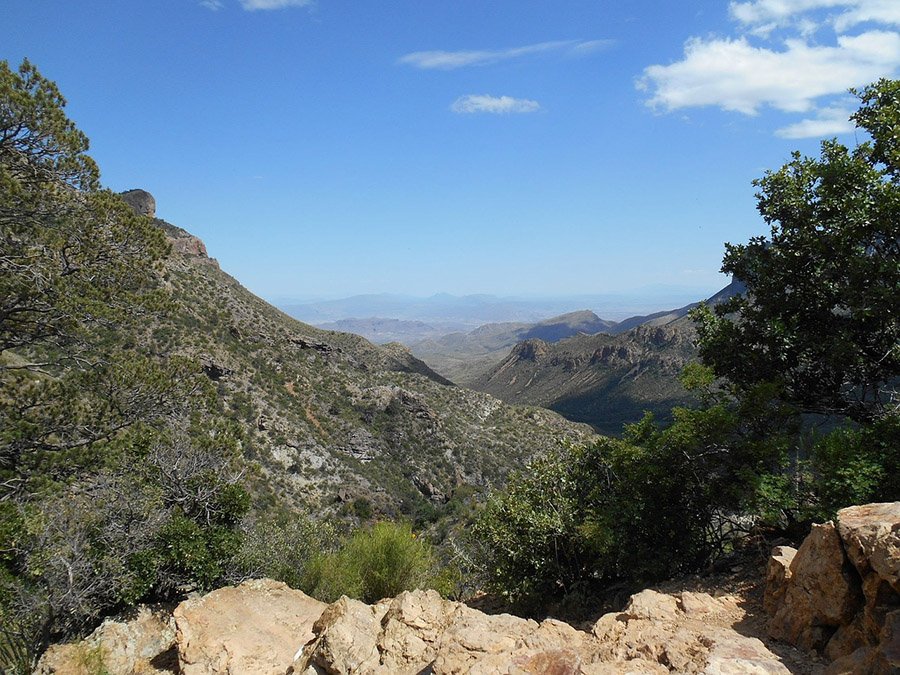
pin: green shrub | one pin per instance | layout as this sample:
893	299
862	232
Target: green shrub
857	466
283	546
376	562
582	518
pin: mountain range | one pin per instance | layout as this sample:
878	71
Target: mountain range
592	370
471	311
462	357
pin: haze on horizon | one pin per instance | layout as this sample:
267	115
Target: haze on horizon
517	148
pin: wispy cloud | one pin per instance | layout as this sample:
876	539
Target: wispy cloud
827	122
254	5
214	5
497	105
450	60
796	56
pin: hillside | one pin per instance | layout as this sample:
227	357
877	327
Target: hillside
462	357
667	317
602	380
332	418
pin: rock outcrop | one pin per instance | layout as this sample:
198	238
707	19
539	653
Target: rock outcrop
141	201
263	627
190	246
420	632
839	593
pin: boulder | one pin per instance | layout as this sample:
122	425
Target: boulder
256	627
138	645
871	536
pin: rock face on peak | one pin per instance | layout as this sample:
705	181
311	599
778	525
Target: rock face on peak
141	201
839	593
182	241
532	349
601	379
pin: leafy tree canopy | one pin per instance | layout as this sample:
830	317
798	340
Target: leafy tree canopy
821	317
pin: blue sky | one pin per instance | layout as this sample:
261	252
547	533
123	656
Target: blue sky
334	147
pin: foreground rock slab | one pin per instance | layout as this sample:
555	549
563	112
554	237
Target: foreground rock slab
137	645
419	632
254	628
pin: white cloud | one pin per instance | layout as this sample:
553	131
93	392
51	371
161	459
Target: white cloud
214	5
449	60
876	11
765	15
777	12
253	5
735	75
827	122
498	105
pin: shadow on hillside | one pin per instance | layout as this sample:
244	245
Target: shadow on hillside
607	409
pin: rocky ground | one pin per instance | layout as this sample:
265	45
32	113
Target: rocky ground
832	606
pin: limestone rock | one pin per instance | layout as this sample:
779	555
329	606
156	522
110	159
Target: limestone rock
141	201
871	535
139	645
823	592
778	574
256	627
421	632
673	633
346	639
841	595
734	654
418	629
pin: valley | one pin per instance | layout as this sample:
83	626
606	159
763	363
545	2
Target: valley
590	370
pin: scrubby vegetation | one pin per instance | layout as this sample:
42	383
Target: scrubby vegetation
119	479
799	413
376	562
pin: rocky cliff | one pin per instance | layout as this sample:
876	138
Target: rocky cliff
603	380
